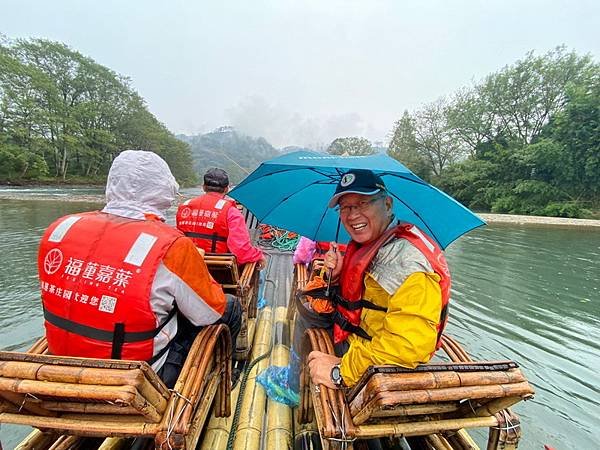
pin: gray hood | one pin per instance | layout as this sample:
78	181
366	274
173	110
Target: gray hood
139	182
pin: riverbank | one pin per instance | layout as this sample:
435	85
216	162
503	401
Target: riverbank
538	220
20	194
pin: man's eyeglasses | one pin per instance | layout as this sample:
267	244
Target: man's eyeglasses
361	206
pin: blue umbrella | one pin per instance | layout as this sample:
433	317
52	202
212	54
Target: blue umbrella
292	192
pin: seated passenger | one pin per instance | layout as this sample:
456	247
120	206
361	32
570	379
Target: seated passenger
215	224
392	289
398	276
113	281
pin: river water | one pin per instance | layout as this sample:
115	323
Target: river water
530	294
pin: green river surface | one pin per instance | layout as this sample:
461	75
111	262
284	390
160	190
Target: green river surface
527	293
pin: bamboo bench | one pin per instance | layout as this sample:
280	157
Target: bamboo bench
437	399
66	396
241	282
299	280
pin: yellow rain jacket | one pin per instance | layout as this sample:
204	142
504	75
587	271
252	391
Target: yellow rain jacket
400	279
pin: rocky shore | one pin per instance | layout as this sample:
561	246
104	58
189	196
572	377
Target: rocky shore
538	220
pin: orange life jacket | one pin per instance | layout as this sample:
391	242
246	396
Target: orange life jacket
356	262
96	271
204	220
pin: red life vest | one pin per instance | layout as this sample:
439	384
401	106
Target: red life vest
356	262
323	247
96	271
204	220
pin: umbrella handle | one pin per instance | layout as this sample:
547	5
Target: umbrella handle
330	271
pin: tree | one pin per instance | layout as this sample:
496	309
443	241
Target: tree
436	141
524	96
404	147
74	115
350	146
577	130
471	118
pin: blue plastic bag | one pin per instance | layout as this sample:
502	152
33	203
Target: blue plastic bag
275	381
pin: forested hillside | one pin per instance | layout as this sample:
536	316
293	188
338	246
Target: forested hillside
524	140
225	148
64	117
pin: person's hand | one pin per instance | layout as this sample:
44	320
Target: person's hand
334	260
261	263
201	251
320	365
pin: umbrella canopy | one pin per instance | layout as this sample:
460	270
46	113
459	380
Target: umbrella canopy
293	190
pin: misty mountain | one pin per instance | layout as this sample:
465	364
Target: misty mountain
234	152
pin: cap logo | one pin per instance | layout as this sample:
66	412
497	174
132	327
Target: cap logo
347	180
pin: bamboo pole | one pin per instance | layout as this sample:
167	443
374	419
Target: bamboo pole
199	419
462	440
430	380
64	443
279	416
438	442
37	440
343	410
114	443
40	346
422	428
320	398
454	394
413	410
124	394
218	428
251	419
88	408
84	426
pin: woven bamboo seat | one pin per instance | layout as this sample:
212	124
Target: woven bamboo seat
241	281
115	398
300	278
393	401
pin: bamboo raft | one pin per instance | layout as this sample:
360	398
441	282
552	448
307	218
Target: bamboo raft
69	398
114	398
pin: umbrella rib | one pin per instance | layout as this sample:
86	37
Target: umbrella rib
325	174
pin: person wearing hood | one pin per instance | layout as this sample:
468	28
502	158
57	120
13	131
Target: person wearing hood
120	283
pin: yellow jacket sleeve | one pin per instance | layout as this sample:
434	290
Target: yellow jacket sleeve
404	335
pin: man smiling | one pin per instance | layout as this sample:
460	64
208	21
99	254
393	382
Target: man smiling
393	287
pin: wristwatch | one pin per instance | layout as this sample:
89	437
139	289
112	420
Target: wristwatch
336	376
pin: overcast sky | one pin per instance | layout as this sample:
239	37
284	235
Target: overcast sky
302	72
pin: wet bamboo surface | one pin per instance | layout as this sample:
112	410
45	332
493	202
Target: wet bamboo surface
279	416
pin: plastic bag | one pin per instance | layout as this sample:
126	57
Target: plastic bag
275	381
304	251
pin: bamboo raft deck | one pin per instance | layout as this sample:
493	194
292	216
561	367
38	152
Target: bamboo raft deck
388	405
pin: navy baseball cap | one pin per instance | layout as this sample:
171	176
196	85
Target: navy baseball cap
216	177
357	181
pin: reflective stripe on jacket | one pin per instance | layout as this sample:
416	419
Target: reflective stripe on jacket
96	272
204	220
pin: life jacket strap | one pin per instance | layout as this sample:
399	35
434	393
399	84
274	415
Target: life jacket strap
104	335
443	318
211	237
345	325
336	298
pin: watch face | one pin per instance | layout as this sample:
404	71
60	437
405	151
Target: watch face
336	376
